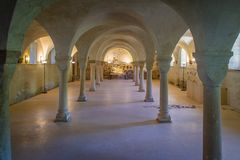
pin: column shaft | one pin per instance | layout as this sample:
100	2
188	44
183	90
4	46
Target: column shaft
137	76
63	115
93	77
98	74
82	95
102	72
164	116
141	74
6	74
212	147
134	73
149	97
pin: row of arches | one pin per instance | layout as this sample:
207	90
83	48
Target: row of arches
143	28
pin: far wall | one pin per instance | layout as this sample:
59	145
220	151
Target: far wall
28	80
230	87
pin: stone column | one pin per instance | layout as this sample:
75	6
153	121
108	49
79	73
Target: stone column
8	60
149	97
212	68
102	72
82	96
134	72
164	66
92	76
63	114
98	73
137	76
141	74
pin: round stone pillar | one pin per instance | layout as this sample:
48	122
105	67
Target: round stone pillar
63	114
164	66
149	97
92	76
212	68
82	95
141	76
137	76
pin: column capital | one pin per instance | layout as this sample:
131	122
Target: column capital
63	61
82	62
149	66
91	61
134	63
164	63
212	67
141	64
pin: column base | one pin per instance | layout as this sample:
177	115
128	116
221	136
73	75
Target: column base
149	100
92	89
141	90
82	99
164	118
44	91
63	117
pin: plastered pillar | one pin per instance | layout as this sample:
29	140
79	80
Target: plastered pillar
141	78
149	97
212	68
82	95
63	114
92	76
137	75
164	66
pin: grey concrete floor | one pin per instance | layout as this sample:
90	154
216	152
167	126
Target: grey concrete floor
115	124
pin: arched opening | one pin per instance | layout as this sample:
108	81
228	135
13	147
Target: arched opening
183	61
118	63
66	21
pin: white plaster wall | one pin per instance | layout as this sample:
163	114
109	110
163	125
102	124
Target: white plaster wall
28	81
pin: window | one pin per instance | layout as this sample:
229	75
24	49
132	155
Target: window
234	62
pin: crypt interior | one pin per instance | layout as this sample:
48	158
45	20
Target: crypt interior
120	80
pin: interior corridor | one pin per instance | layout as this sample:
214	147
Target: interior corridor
115	124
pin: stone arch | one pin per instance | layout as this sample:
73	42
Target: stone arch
126	56
90	39
111	41
125	46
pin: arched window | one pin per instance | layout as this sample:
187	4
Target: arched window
33	53
234	62
173	61
184	58
51	56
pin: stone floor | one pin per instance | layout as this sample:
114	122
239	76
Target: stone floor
115	124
